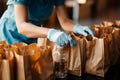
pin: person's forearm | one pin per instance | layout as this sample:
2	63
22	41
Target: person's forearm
23	26
68	25
32	31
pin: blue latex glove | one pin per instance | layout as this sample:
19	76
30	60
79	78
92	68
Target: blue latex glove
83	30
60	38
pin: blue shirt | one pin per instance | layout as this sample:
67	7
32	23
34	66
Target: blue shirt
38	11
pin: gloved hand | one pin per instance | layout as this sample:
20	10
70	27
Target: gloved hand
60	38
83	30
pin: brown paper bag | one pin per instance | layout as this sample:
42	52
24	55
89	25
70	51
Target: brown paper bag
97	56
101	31
108	44
77	56
10	57
22	61
19	44
95	29
0	67
42	63
116	23
106	23
5	70
2	51
23	67
115	57
3	42
4	66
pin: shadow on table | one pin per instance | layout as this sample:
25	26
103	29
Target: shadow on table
112	74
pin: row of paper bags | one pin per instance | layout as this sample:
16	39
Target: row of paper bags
20	61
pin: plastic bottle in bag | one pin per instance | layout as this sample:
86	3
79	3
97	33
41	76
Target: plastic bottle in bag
60	64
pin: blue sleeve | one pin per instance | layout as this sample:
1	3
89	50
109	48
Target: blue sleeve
59	2
25	2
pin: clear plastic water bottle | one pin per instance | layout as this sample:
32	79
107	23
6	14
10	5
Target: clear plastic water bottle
60	64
